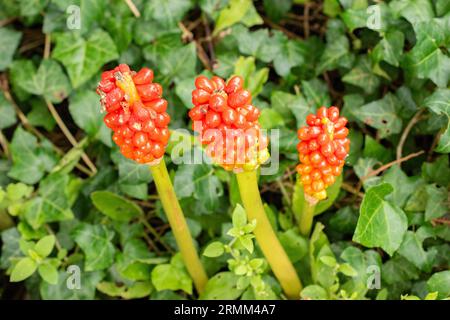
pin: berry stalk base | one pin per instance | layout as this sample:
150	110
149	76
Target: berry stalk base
266	237
178	225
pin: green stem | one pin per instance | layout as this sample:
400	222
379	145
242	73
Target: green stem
306	218
266	237
179	226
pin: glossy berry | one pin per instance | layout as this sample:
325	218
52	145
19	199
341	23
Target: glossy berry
136	112
322	149
227	123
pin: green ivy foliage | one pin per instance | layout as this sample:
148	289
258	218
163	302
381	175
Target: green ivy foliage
386	64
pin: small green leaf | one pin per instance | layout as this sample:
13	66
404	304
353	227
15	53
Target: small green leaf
214	249
232	14
114	206
239	216
45	245
314	292
23	269
348	270
49	273
222	286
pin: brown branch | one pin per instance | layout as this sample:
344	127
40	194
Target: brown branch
201	54
69	135
133	8
47	46
347	187
4	144
278	27
405	133
306	21
7	21
210	44
440	221
390	164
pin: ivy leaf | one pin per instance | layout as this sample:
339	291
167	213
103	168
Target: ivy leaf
362	76
200	182
9	42
223	286
437	171
10	247
131	172
233	13
439	103
390	48
30	158
84	107
48	81
426	59
32	8
40	115
83	57
414	11
382	114
380	224
290	54
95	241
316	93
289	105
172	276
8	117
412	249
52	204
167	12
61	291
114	206
440	282
257	44
403	185
436	202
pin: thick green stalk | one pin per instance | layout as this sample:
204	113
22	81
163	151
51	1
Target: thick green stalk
266	237
306	218
179	226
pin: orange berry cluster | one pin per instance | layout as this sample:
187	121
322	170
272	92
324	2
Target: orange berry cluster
135	112
227	123
322	149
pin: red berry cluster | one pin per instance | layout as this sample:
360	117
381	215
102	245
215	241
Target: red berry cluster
135	112
227	123
322	149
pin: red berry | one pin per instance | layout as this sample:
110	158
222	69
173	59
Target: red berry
234	84
202	82
148	92
144	76
200	96
212	119
159	105
218	102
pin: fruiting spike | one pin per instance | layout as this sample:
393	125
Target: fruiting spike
135	112
227	123
322	150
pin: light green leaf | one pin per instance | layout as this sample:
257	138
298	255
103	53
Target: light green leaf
380	224
23	269
314	292
440	282
172	276
45	245
233	13
8	117
214	249
48	272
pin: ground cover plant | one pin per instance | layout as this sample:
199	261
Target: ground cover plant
110	187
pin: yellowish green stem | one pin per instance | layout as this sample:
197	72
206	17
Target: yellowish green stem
179	226
306	218
266	237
